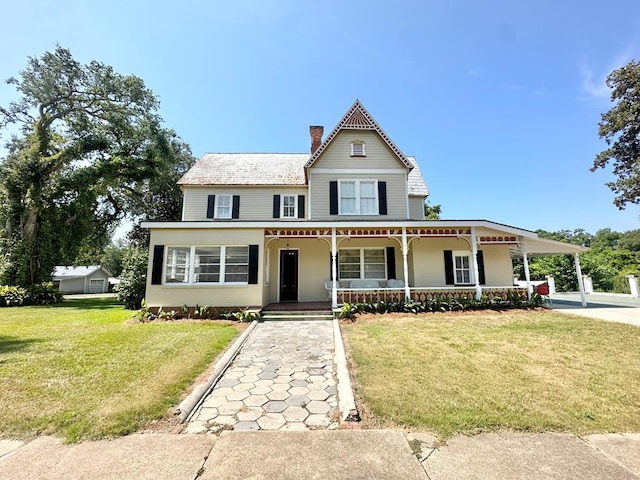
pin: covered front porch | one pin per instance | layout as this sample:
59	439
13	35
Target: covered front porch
396	262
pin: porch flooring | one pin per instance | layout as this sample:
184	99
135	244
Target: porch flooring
297	307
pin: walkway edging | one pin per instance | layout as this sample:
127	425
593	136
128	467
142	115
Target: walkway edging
346	400
195	398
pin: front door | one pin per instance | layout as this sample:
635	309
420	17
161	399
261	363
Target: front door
288	275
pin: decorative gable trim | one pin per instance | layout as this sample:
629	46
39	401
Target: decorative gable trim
357	118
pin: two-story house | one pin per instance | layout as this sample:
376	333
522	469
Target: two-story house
344	222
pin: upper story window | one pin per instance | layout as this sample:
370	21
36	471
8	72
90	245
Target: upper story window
358	197
357	149
223	206
289	206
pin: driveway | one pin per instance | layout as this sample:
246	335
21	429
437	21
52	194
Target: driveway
603	306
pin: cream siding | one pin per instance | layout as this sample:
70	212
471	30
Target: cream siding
396	195
416	208
428	262
213	295
378	154
256	203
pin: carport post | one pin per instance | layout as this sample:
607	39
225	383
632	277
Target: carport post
527	276
583	298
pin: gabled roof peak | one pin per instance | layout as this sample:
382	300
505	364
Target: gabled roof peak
358	118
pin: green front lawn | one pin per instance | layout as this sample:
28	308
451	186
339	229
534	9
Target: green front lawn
466	373
78	370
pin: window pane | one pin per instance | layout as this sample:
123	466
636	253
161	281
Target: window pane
236	265
223	208
374	263
288	205
207	264
348	189
367	189
349	256
177	270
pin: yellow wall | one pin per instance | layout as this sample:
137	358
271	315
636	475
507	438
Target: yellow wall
212	295
428	261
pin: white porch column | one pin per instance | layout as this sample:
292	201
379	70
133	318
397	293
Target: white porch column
633	285
551	281
527	275
474	257
580	284
334	272
405	265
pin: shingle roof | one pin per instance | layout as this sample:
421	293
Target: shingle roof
247	169
267	169
416	180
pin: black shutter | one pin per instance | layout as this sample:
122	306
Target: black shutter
448	268
333	197
235	211
253	264
391	263
276	206
211	204
300	206
156	265
382	198
480	258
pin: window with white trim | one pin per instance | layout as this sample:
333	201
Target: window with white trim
462	271
357	149
289	206
362	263
358	197
207	264
223	206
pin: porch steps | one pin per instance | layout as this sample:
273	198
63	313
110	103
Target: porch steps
272	315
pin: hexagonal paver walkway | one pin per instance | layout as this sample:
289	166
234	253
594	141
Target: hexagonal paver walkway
283	378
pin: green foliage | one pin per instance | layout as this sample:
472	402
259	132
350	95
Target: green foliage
445	303
92	150
432	212
246	315
133	279
620	128
39	294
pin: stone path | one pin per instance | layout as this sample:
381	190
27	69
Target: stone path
283	378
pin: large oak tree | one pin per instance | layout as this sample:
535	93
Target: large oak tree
620	128
91	150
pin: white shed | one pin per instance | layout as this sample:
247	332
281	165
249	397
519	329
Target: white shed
81	279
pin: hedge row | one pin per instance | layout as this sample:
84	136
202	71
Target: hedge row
445	304
40	294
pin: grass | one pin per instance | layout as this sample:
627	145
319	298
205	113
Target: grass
78	370
468	373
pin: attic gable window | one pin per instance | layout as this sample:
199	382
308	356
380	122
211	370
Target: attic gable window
357	149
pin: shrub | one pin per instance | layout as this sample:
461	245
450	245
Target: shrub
43	294
12	296
133	279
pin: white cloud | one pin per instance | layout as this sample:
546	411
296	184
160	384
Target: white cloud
594	80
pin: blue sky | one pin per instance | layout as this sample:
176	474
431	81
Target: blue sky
498	100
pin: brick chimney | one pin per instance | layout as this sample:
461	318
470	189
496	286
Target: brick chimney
316	132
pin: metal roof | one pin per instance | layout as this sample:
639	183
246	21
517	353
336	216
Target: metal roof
61	272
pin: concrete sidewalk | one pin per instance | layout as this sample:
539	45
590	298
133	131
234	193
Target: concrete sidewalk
340	454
